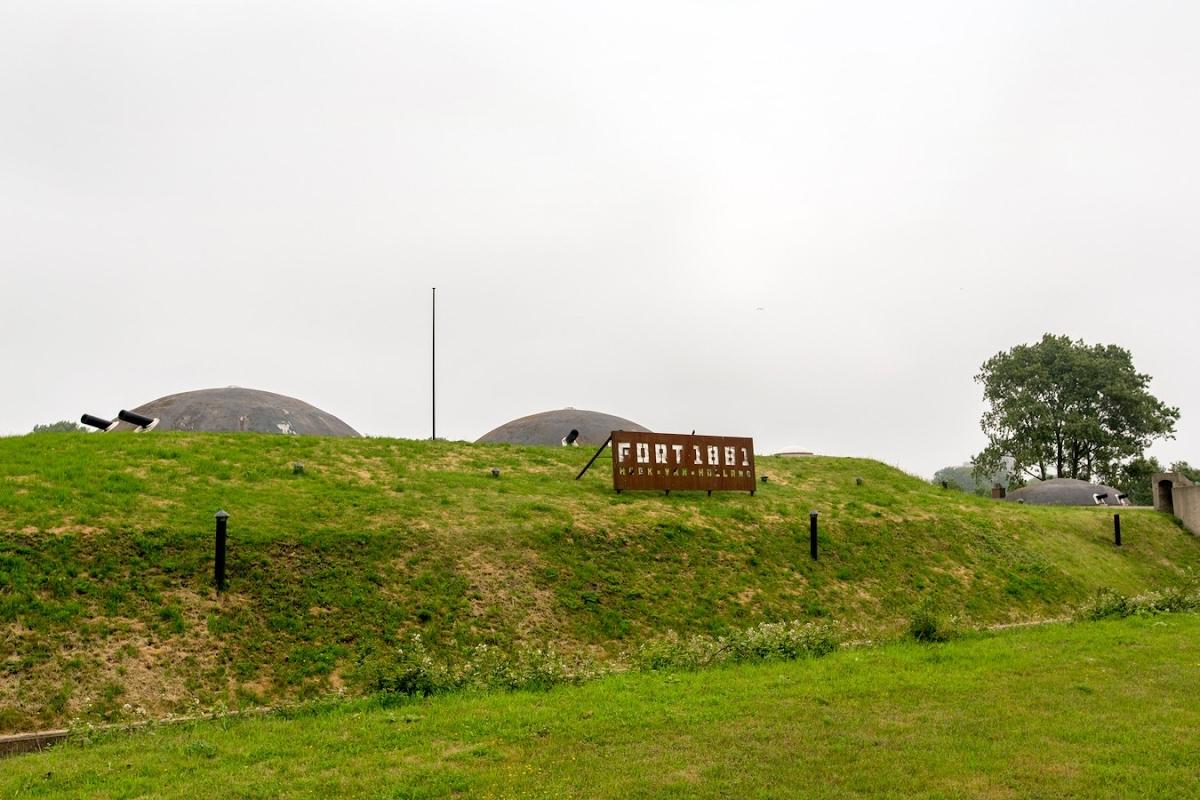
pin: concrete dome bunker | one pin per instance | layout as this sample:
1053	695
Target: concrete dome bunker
235	409
549	428
1066	492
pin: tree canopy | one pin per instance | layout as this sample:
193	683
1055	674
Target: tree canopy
1135	478
56	427
1186	470
966	478
1062	408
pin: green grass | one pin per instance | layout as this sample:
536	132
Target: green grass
107	613
1096	710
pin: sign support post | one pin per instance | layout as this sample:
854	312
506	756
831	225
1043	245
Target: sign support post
594	457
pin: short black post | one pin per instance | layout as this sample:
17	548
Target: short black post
219	565
1117	529
812	534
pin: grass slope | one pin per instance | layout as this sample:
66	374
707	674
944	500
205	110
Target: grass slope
106	610
1098	710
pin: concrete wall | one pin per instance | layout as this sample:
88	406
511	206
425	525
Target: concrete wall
1187	506
1175	494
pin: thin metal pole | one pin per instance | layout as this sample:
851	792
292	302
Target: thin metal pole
433	365
1117	529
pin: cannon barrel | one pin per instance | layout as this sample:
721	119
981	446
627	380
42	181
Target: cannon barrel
134	418
97	422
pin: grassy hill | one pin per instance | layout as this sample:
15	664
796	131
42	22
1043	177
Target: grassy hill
1096	710
107	611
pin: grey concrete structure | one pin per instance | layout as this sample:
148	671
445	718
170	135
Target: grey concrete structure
1176	494
550	427
237	409
1064	492
30	742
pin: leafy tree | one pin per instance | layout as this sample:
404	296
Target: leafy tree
960	478
1062	406
964	477
1186	470
61	425
1134	479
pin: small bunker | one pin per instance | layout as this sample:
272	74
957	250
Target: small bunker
235	409
551	428
1174	494
1065	492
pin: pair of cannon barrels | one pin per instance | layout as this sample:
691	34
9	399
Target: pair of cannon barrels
143	423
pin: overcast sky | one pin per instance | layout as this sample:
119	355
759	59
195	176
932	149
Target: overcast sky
809	223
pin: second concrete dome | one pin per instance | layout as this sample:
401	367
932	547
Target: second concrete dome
550	427
1065	492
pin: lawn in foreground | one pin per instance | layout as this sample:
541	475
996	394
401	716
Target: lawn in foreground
1105	709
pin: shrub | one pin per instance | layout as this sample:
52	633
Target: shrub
926	625
1108	603
1105	603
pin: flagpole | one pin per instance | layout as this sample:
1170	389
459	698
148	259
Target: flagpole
433	364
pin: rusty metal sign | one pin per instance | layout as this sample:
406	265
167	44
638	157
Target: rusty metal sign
666	461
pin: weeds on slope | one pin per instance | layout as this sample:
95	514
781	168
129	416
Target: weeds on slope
413	670
1108	603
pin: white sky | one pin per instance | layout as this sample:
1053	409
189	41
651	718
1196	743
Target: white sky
262	194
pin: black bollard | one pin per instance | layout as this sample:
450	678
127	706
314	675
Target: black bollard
812	534
1117	529
219	562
